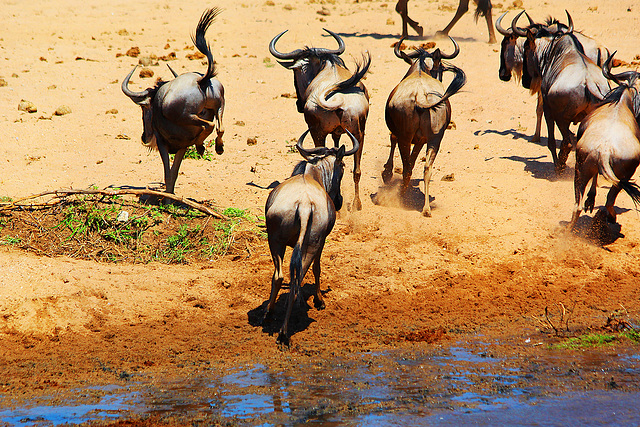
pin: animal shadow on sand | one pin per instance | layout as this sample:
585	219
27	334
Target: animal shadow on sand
299	320
597	229
389	196
395	36
514	135
543	169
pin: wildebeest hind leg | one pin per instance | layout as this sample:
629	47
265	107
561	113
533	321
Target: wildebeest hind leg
277	253
432	151
568	142
387	173
611	199
173	172
318	301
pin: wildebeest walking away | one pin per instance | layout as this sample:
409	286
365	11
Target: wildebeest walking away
300	213
609	144
418	112
184	111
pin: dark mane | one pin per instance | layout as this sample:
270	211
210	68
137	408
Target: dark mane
615	95
322	56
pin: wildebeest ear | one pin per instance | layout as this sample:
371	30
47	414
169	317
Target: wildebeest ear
341	152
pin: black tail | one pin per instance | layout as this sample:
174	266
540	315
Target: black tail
361	70
456	84
206	20
484	7
633	190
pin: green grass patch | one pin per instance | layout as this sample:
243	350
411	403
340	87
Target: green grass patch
115	229
597	340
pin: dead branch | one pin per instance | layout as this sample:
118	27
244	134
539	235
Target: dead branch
146	192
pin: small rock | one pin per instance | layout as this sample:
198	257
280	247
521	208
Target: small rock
448	177
324	12
133	52
3	82
112	111
167	46
123	216
239	123
195	55
269	3
147	61
390	21
27	106
252	141
452	125
62	110
146	73
123	32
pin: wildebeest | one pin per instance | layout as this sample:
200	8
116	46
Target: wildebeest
332	98
483	9
511	56
418	112
184	111
300	213
609	144
571	84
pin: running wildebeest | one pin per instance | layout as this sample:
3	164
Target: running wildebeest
300	213
332	99
511	56
483	9
609	144
571	84
418	112
184	111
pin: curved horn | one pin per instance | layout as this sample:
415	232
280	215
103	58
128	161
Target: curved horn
172	71
356	144
341	46
518	31
137	97
606	71
310	152
272	48
455	52
499	27
570	25
400	54
529	18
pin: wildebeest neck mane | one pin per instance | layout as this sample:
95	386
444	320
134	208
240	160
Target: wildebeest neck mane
322	55
615	95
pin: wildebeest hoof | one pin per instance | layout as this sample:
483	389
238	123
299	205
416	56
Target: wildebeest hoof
319	305
426	213
219	149
283	339
387	174
535	138
356	206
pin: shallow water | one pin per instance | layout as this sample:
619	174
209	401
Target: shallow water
458	385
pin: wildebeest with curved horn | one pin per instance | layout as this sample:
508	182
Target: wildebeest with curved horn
332	98
184	111
571	84
418	112
512	49
483	9
300	213
609	144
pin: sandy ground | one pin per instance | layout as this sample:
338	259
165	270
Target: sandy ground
491	258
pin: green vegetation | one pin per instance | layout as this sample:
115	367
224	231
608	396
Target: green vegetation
114	229
597	340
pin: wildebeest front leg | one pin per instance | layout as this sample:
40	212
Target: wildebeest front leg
403	9
539	112
164	155
551	140
357	204
387	173
173	172
580	182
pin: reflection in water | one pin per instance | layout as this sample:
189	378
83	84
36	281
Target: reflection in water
451	386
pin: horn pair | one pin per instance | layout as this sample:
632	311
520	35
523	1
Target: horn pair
307	153
409	57
295	54
522	32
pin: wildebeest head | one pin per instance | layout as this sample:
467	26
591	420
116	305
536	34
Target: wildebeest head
329	162
145	100
425	61
307	63
509	49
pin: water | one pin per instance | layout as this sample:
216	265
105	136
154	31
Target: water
454	386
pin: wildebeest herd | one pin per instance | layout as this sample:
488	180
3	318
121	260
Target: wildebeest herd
569	72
